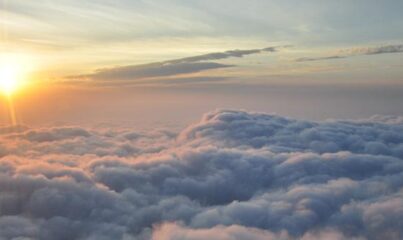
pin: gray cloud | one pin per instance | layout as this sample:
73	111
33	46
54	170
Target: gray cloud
232	175
171	67
174	231
357	52
154	70
312	59
223	55
378	50
12	129
55	134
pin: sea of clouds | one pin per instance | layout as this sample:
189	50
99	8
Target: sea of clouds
234	175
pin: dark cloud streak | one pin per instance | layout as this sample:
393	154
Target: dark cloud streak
154	70
169	68
357	52
223	55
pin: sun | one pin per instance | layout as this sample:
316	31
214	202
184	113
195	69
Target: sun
12	77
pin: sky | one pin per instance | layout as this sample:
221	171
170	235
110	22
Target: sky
109	57
201	119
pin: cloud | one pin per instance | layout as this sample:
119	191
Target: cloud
162	81
235	129
54	134
312	59
154	70
12	129
357	52
223	55
378	50
173	231
232	175
169	68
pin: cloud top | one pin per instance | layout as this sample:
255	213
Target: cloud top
233	175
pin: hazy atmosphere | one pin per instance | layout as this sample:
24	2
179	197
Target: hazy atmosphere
193	120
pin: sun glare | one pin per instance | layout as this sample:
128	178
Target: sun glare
12	76
10	79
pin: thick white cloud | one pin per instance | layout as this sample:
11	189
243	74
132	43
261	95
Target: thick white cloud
233	175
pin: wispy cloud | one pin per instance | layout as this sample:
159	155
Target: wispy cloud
378	50
153	70
223	55
173	67
310	59
357	52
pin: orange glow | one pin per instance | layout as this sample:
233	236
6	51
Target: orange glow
12	77
11	110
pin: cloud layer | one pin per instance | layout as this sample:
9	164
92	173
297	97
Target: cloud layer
233	175
357	52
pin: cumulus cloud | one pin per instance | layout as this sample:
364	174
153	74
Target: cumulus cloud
357	52
232	175
12	129
173	67
173	231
